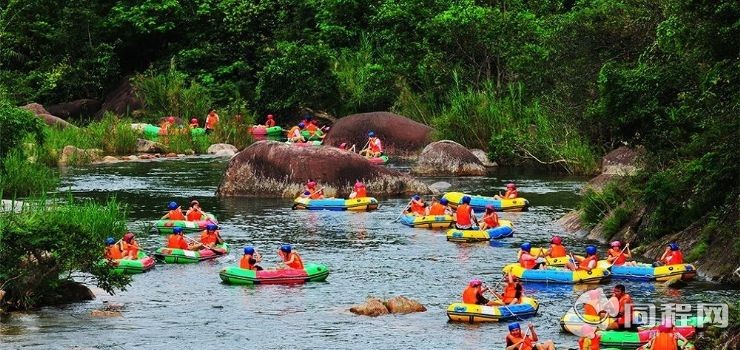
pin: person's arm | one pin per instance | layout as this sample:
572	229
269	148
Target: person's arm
166	216
680	336
665	253
532	332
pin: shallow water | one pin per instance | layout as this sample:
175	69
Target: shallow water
187	307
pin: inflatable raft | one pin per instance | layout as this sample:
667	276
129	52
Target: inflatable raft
461	312
166	226
143	264
505	229
304	144
310	273
336	204
428	221
558	275
316	136
379	160
263	130
633	340
647	272
181	256
572	322
153	131
554	262
479	203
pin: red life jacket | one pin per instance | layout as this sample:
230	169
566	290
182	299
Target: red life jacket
177	242
463	215
557	251
511	194
361	192
614	253
527	345
113	252
208	239
195	215
270	123
509	292
375	145
470	295
595	343
584	265
417	208
175	215
297	262
437	209
527	263
491	220
623	301
674	257
244	262
665	341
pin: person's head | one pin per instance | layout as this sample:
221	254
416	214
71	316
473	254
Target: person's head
591	250
556	240
618	290
673	246
194	203
269	116
466	199
616	244
211	227
416	197
443	201
311	184
193	121
286	248
526	247
514	328
211	111
172	206
177	230
475	283
359	184
490	209
109	241
171	119
309	117
128	237
511	186
301	125
249	250
371	134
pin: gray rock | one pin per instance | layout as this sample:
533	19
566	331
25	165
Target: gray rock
445	158
146	146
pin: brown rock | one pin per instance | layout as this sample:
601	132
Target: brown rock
399	134
621	161
109	159
276	169
76	110
170	155
572	223
146	156
42	113
146	146
372	307
444	158
403	305
74	155
121	100
105	313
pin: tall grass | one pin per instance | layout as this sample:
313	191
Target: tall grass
21	177
111	134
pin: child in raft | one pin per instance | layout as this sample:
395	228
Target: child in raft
130	246
516	341
270	122
617	256
194	123
250	259
490	218
359	190
473	293
557	249
310	191
511	192
112	249
588	263
291	259
439	207
416	206
294	134
465	216
671	256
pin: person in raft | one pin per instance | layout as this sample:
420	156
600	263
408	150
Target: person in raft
516	341
270	122
490	218
511	192
473	293
587	263
374	146
211	121
464	215
194	123
666	338
439	207
195	213
671	256
416	206
526	259
513	292
557	249
175	212
177	241
589	339
619	302
359	190
294	134
211	236
617	256
130	246
250	259
291	259
310	191
112	250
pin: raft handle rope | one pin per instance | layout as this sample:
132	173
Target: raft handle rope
504	303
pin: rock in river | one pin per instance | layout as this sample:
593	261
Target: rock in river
444	158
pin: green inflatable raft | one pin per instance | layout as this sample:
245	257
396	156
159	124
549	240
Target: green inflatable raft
153	132
309	273
184	256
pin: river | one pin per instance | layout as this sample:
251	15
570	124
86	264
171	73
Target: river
369	254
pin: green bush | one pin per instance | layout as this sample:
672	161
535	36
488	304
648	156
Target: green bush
112	135
21	177
49	240
614	202
15	124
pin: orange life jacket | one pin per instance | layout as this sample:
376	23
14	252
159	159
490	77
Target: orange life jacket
175	215
177	242
244	262
589	310
509	292
194	215
595	343
557	251
211	120
674	257
470	295
297	262
491	219
623	301
463	215
614	253
270	123
437	209
527	345
361	192
527	263
584	264
375	145
131	250
665	341
113	252
511	194
311	127
208	239
315	195
417	208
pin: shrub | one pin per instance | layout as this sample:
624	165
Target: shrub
15	124
21	177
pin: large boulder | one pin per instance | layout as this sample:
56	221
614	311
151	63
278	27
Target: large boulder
403	305
372	307
276	169
74	155
620	162
444	158
146	146
399	134
222	150
75	110
49	119
121	100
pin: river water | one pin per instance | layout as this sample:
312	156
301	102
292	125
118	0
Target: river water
369	254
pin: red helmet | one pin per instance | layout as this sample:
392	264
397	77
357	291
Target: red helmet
510	185
311	184
616	244
269	116
556	240
171	119
128	237
193	120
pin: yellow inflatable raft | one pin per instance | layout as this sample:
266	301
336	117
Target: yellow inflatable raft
557	274
336	204
479	203
555	262
505	229
428	221
461	312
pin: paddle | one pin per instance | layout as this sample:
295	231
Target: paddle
504	303
524	338
404	209
214	250
618	255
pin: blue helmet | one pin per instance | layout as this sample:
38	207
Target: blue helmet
301	125
466	199
443	201
109	241
416	197
673	246
177	230
513	326
172	206
370	134
286	248
526	246
591	250
211	227
249	250
308	117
